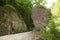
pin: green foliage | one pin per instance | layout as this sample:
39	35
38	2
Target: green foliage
2	2
39	2
1	17
52	31
3	30
23	9
54	24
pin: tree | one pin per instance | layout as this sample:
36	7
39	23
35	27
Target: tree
53	26
24	8
38	2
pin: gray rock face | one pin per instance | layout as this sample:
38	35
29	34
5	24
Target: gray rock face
10	18
40	17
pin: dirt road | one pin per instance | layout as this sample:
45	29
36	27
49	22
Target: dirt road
20	36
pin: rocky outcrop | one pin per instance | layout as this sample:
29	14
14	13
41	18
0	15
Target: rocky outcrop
40	17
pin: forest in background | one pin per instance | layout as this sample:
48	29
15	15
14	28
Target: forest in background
23	8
